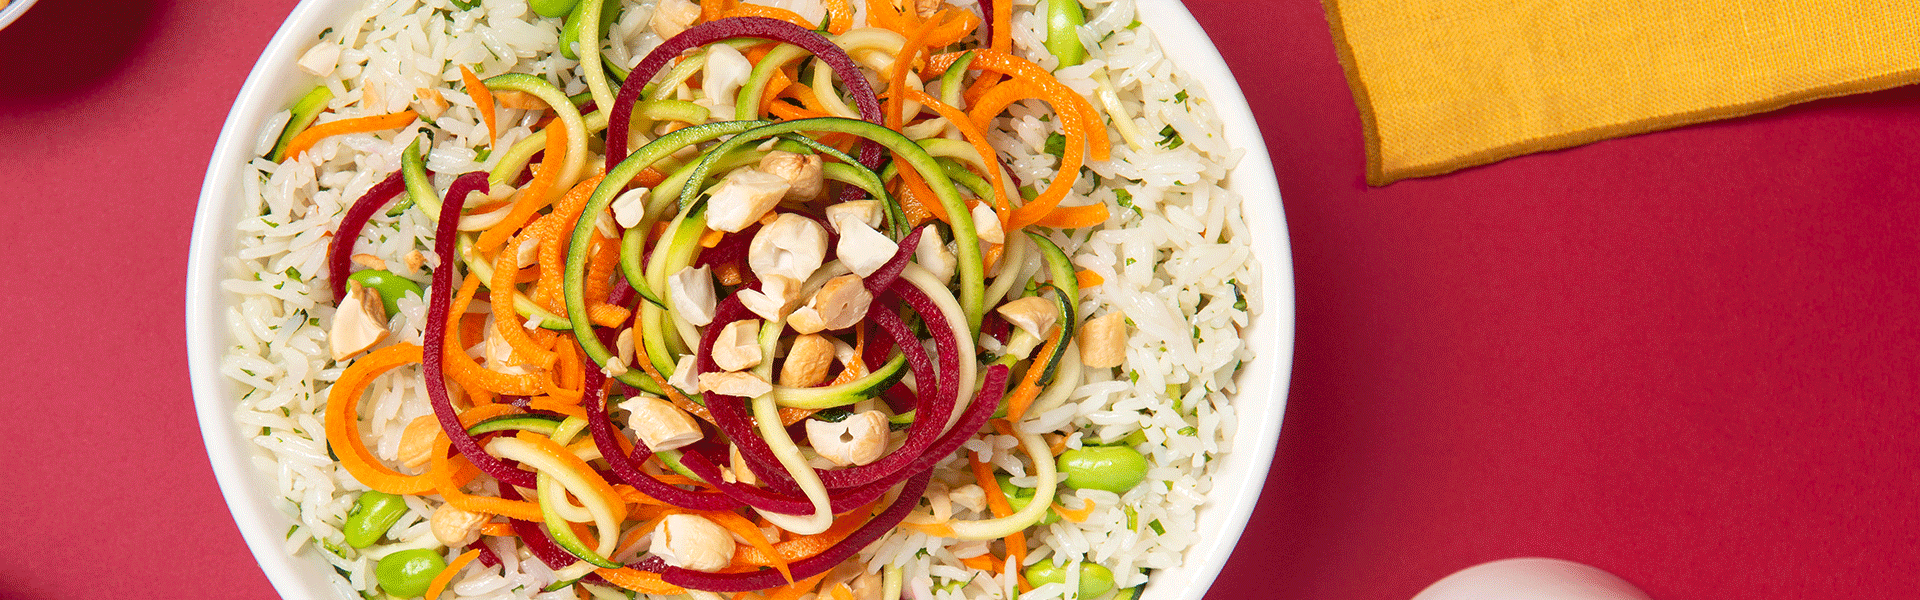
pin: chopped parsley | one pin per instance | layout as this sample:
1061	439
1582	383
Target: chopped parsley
1170	139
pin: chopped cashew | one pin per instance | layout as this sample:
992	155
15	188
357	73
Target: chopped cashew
1103	341
691	293
932	254
738	346
431	104
683	375
863	249
740	199
518	100
416	441
726	70
415	259
868	586
741	472
456	528
692	542
744	385
319	60
529	249
370	261
842	302
623	345
805	320
792	245
970	497
1032	314
672	17
630	207
864	211
802	172
360	323
987	223
926	8
807	361
499	353
856	440
659	424
777	296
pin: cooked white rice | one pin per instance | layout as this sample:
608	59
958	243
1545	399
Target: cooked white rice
1175	258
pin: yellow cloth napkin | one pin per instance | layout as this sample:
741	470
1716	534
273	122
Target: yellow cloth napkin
1448	84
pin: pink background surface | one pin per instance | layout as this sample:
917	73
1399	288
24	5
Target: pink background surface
1688	358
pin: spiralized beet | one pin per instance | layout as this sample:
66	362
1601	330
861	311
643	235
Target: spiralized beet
738	27
916	486
340	248
433	359
935	408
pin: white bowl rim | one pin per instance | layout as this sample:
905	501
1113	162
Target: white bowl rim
13	11
268	88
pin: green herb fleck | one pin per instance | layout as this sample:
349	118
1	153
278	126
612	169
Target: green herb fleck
1180	96
1189	431
1156	527
1056	145
1125	198
1170	139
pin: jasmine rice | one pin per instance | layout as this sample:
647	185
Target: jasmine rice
1173	258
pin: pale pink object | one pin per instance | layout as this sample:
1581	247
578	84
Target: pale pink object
1531	579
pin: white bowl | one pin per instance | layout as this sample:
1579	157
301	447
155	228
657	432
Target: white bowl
275	83
13	11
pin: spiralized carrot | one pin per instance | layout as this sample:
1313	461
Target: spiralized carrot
603	258
343	428
306	139
797	589
1023	396
640	581
506	322
1086	278
482	101
1026	70
556	232
978	138
806	545
839	16
712	10
445	577
897	77
463	369
1016	542
771	12
1075	516
755	538
1075	217
533	197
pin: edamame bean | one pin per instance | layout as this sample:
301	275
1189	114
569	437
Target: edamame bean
552	8
373	513
389	286
1094	579
407	573
1112	468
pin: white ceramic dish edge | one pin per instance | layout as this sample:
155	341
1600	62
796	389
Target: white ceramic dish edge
13	11
270	87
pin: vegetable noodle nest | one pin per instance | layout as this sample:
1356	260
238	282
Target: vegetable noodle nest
787	300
